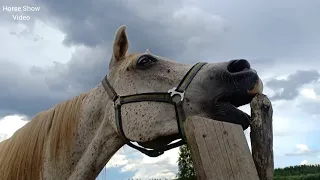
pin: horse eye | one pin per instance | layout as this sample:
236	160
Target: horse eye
145	62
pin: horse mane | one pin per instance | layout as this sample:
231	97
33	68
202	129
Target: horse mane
22	155
129	62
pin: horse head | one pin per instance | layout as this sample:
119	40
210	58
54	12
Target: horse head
145	98
212	90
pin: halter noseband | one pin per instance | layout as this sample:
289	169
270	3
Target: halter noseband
167	97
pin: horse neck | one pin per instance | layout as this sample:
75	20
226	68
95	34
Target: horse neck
96	140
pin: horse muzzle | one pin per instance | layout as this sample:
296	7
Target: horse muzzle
240	71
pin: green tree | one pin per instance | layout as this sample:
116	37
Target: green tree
185	164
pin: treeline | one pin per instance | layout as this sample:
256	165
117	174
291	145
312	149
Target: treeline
301	172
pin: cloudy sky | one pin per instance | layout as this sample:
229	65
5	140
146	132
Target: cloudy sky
65	47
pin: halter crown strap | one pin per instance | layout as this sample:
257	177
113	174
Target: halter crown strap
166	97
110	91
184	83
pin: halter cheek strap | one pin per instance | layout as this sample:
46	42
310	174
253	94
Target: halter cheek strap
166	97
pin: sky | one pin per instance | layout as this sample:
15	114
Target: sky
63	49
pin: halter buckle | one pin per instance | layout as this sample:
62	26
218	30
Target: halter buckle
174	92
116	103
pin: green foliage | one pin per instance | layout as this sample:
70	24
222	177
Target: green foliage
185	164
297	170
301	172
299	177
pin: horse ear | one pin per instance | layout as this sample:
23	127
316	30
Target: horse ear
120	43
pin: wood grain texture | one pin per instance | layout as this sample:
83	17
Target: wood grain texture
262	136
219	150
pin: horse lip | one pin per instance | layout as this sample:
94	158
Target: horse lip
257	88
252	81
243	72
242	95
159	142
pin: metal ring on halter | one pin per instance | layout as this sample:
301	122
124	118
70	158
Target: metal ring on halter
174	92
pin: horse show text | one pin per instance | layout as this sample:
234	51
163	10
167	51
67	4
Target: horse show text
20	8
25	8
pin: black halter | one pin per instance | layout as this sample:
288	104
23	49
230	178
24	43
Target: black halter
167	97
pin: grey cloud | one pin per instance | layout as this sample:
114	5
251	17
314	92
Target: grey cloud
96	25
190	31
179	30
312	106
167	29
288	88
85	70
31	91
309	152
269	29
317	88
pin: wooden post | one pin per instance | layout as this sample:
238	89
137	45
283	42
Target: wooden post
262	136
219	150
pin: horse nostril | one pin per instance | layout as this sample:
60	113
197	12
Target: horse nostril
238	65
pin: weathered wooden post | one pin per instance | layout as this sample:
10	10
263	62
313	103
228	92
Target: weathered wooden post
219	150
262	136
